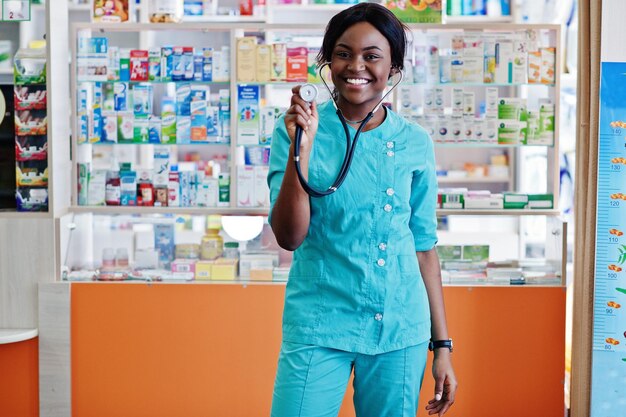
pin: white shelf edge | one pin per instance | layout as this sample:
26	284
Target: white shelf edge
201	211
484	145
17	335
310	7
6	71
489	212
470	180
477	19
25	215
225	19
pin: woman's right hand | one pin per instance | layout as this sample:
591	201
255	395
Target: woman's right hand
302	114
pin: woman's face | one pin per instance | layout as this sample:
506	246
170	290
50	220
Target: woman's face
361	65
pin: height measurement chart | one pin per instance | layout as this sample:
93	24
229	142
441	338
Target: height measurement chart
608	386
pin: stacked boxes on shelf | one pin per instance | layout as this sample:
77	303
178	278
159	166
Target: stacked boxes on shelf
115	97
453	66
502	58
254	127
462	198
263	63
31	140
276	62
193	183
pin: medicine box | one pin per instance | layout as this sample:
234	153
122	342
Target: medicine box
246	59
248	114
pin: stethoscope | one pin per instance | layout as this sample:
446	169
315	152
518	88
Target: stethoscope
308	92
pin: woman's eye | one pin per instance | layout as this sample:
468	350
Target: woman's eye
370	57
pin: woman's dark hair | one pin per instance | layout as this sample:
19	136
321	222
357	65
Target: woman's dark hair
378	16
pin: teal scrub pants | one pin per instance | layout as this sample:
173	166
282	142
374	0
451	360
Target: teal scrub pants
311	381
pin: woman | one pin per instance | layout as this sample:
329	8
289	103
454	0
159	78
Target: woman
364	292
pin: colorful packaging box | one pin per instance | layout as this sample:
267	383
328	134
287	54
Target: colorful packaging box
161	166
109	127
120	96
143	96
279	62
297	64
154	64
166	63
245	186
261	189
534	67
207	64
198	109
312	73
248	114
168	120
548	65
154	129
183	129
263	63
139	65
268	121
246	59
164	243
224	115
141	126
128	188
511	132
92	59
183	99
125	127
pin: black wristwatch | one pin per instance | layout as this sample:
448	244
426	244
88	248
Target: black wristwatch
438	344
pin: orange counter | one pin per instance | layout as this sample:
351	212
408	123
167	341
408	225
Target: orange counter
211	350
19	379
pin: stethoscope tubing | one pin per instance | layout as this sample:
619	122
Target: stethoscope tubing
350	143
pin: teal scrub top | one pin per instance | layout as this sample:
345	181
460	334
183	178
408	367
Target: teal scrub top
355	283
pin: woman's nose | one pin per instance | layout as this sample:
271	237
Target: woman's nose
356	64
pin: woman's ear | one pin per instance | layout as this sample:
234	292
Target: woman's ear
394	71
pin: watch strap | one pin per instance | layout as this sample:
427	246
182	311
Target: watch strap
438	344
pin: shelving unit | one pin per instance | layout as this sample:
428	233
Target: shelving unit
226	34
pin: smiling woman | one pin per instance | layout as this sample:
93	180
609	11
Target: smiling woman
364	292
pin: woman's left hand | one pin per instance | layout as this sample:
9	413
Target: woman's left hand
445	383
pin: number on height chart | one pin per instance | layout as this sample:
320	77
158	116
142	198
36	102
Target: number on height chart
613	240
614	203
616	167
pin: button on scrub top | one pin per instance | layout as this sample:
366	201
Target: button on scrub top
355	283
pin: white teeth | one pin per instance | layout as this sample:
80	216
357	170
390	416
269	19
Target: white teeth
357	81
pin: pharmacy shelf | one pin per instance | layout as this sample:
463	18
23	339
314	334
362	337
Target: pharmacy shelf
17	335
477	84
489	212
197	211
263	211
156	82
219	26
472	180
477	19
156	144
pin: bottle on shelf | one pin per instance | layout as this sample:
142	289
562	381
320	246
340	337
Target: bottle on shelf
212	246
